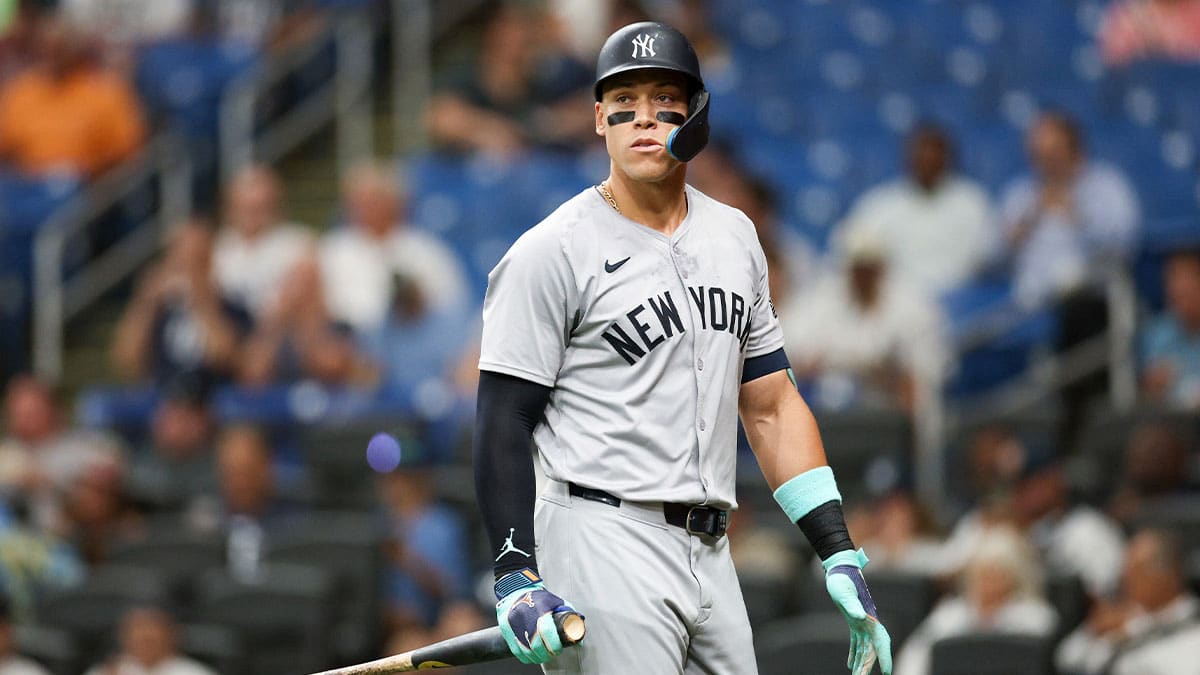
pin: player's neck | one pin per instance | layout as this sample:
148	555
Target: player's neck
659	206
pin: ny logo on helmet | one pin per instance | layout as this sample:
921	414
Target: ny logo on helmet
643	45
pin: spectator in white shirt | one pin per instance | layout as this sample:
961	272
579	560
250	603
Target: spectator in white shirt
935	225
1074	539
1153	628
148	647
360	258
864	337
1000	592
1070	215
257	248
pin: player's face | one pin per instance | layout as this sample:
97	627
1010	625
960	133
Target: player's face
638	147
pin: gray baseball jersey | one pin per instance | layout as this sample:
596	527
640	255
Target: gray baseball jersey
642	338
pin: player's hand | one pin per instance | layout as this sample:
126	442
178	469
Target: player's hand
868	638
525	612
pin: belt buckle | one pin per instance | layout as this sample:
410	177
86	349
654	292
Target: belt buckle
722	521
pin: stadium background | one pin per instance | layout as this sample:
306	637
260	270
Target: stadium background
812	99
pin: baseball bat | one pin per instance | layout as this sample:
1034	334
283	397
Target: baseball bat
477	647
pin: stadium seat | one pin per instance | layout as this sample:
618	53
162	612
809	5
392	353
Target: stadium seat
335	457
903	600
992	654
1178	515
90	612
55	649
217	647
866	446
1069	598
286	615
172	550
349	546
818	641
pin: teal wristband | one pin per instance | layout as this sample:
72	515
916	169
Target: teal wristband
857	559
806	492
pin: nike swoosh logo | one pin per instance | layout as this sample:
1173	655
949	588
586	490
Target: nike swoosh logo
613	267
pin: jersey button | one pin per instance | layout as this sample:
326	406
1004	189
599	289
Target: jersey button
701	425
699	364
683	273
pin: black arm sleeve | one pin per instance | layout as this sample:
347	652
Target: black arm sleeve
507	410
825	527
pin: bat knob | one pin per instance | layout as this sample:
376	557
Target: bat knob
571	628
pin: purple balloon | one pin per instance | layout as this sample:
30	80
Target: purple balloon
383	452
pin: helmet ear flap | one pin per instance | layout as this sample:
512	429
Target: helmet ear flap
687	140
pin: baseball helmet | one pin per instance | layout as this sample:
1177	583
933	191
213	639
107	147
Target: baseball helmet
654	45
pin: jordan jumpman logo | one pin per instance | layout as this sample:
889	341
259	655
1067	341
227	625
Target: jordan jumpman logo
508	546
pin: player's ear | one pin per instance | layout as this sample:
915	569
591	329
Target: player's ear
600	126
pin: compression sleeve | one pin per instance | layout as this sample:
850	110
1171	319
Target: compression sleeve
507	410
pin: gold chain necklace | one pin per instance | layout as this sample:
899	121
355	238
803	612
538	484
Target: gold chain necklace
603	187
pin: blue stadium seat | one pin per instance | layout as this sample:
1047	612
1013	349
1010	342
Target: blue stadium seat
181	81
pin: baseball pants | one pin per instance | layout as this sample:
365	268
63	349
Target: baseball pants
658	601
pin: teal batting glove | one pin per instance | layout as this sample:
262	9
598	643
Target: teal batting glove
525	612
868	638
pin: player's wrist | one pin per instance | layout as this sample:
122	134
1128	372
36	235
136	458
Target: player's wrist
812	501
848	558
515	581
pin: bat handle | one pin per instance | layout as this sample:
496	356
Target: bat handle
571	628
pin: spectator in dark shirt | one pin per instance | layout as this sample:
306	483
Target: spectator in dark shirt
247	506
177	322
519	94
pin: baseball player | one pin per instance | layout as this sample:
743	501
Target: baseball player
625	333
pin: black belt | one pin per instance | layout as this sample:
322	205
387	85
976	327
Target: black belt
696	519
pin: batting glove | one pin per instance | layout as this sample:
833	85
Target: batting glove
525	612
868	638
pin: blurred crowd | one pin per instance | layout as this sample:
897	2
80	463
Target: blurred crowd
1035	537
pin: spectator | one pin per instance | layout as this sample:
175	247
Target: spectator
1000	592
359	259
247	507
935	225
98	513
1142	29
1061	229
1171	342
148	638
1152	628
42	457
295	338
1156	469
12	663
177	322
1073	539
416	343
901	535
256	248
523	90
865	337
66	115
429	581
33	565
1071	216
178	464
